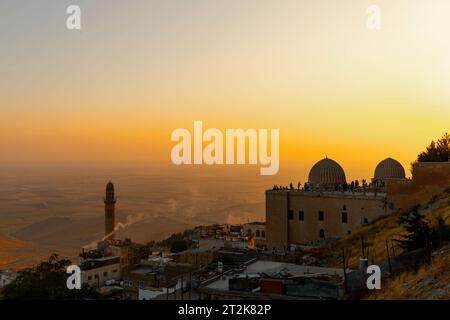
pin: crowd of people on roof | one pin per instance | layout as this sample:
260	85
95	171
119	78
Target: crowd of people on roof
353	186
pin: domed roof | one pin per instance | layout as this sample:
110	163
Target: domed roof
327	173
389	169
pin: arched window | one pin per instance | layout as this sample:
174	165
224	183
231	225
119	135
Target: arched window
322	234
257	233
344	217
263	234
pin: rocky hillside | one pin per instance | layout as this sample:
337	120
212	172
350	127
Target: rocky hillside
429	283
379	236
378	239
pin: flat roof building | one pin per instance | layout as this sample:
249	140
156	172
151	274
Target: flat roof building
275	281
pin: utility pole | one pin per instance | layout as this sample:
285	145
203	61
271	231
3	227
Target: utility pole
388	257
428	251
190	285
182	293
344	266
363	249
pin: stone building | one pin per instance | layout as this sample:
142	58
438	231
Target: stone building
256	230
130	253
110	260
97	271
327	207
154	275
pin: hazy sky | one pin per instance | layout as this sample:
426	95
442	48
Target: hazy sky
114	91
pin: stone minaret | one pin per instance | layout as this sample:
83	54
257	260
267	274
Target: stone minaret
110	204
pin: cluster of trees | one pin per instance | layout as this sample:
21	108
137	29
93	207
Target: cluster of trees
179	246
177	242
46	281
420	233
438	151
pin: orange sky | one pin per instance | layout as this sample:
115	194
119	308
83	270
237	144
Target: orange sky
115	91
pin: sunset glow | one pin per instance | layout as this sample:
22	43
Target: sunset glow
132	75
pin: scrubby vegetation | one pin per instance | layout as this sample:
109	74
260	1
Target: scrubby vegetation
176	242
429	282
422	227
420	234
438	151
46	281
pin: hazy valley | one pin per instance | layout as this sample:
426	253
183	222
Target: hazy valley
62	210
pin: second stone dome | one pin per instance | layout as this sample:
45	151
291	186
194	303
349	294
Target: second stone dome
326	173
389	169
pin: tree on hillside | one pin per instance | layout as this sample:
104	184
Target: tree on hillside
46	281
176	237
420	234
438	151
442	233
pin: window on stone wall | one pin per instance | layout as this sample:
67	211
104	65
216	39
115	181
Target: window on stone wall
263	234
366	220
344	207
322	234
321	215
344	217
257	233
301	216
291	214
349	232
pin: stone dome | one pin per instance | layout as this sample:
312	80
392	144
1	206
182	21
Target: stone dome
389	169
326	173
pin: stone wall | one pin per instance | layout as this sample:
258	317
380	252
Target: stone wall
284	226
428	180
277	219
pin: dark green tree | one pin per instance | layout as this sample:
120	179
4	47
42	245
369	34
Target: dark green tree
438	151
178	246
46	281
442	232
184	236
420	234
